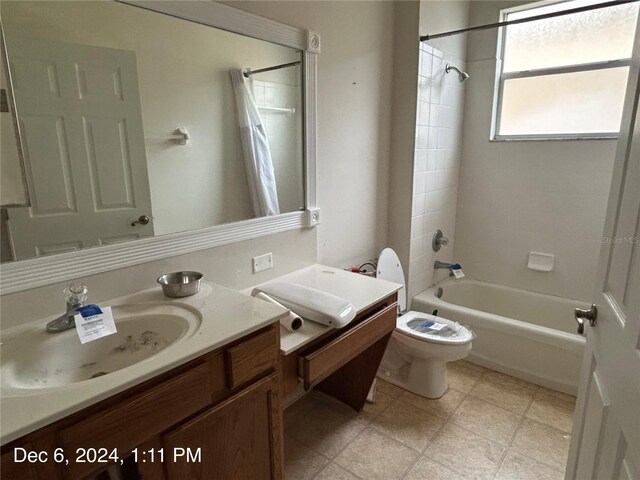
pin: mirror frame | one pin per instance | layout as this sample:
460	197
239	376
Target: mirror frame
39	271
16	125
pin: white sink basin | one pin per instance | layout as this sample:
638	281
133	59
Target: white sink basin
36	359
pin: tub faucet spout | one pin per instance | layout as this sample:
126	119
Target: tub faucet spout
438	265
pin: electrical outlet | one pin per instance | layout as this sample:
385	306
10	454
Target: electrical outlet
262	262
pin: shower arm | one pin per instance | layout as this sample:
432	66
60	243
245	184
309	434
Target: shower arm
448	68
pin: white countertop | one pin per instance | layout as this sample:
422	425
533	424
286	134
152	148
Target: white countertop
360	290
226	316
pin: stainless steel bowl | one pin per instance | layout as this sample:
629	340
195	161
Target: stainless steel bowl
180	284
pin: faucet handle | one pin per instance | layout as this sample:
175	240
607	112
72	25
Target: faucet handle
438	240
76	293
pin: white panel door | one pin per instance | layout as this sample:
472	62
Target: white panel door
79	110
606	441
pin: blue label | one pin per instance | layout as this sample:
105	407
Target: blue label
456	266
89	310
427	324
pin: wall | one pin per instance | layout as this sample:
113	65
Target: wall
355	71
184	85
437	16
436	165
422	192
406	57
229	266
517	197
354	120
436	120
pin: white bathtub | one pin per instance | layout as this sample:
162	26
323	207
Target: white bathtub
525	334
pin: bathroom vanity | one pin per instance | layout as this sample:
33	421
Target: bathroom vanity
218	416
211	396
341	363
209	405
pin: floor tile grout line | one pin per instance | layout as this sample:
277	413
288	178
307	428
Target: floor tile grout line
424	449
422	452
324	467
520	452
533	394
311	448
449	421
433	399
445	422
513	436
366	424
346	445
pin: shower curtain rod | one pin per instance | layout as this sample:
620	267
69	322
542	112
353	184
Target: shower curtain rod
268	69
488	26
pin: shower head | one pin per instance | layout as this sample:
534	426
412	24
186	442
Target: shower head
462	76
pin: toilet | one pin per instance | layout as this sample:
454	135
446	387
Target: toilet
416	358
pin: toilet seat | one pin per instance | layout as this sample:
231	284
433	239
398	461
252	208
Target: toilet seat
409	324
424	350
390	268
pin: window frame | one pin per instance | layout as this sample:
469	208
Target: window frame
501	77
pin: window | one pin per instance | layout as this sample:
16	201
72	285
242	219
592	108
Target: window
563	77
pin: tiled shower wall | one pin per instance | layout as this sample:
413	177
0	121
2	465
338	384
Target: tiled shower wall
436	165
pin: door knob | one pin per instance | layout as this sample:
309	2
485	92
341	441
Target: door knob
142	220
589	314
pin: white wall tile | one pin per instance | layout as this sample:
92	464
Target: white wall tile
419	183
436	207
436	169
432	137
432	160
517	197
422	137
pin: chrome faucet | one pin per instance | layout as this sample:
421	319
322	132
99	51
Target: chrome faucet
76	294
442	265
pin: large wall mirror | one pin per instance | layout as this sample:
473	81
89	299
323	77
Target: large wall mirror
132	123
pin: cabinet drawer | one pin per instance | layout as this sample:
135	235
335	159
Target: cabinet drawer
253	357
132	422
318	364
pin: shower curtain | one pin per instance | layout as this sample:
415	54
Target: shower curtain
255	149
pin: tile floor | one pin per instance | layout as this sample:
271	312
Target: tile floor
487	426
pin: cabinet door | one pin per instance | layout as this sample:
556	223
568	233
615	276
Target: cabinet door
17	471
239	439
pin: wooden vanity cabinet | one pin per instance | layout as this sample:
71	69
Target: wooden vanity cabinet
343	363
241	436
221	413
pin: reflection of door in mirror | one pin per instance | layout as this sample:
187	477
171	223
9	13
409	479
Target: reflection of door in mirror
89	76
80	116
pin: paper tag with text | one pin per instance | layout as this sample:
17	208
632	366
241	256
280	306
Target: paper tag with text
456	269
434	325
93	323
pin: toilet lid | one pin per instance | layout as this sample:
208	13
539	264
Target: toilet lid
413	325
390	268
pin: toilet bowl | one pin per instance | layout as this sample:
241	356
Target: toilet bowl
415	343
